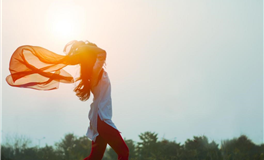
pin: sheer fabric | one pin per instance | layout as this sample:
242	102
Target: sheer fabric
38	68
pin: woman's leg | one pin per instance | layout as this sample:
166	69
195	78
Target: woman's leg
98	149
113	138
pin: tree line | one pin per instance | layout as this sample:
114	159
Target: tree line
149	147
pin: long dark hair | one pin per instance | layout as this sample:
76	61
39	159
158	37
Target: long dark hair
87	61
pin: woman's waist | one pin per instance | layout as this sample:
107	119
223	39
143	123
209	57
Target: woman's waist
104	105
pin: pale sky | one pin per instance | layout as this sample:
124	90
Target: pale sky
180	68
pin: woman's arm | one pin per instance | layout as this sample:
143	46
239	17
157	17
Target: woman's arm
98	65
85	51
100	59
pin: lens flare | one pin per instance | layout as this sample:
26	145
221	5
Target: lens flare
65	19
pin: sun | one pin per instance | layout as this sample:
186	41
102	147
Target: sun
65	19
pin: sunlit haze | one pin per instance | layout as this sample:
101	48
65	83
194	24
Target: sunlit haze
180	68
65	19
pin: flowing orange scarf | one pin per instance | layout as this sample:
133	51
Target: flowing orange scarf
38	68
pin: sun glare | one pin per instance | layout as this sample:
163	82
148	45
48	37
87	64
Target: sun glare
65	19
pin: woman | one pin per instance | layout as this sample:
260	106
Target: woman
102	130
38	68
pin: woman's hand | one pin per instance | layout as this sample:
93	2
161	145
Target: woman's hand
92	44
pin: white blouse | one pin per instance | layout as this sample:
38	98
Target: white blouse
102	102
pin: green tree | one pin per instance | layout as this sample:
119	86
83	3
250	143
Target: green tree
241	148
200	149
82	147
72	147
131	146
28	154
48	153
147	148
65	146
169	150
6	152
15	147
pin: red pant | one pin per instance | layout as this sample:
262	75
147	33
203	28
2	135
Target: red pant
111	136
